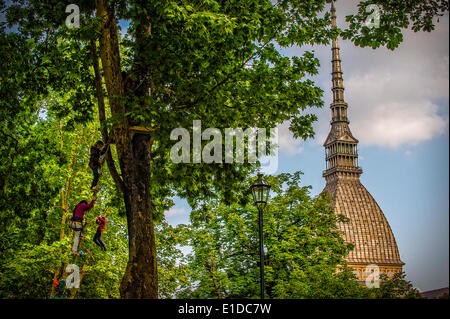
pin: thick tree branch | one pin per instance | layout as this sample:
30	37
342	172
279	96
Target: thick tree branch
110	55
102	116
211	269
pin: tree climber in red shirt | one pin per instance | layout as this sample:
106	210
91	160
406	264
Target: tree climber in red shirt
76	222
101	222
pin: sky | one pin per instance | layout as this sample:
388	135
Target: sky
399	111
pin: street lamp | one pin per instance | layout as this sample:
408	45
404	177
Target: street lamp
260	191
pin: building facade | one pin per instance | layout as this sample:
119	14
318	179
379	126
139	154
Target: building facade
369	231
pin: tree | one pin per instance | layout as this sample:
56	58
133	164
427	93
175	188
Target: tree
392	16
396	287
173	271
214	61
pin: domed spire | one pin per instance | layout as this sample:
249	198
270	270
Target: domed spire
340	145
333	15
339	105
368	228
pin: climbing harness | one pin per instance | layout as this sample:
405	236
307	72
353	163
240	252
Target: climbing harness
75	223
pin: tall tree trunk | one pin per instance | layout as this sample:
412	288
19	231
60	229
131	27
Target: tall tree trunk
140	279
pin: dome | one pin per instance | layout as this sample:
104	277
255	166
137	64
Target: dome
368	228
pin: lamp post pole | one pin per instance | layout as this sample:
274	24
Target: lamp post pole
261	251
260	191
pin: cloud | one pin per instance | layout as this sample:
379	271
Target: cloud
286	141
176	211
395	97
393	123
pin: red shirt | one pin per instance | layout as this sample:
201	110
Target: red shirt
101	221
81	208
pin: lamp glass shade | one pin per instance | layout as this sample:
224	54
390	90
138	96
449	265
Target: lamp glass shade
260	191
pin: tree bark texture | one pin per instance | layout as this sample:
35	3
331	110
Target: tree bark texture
140	279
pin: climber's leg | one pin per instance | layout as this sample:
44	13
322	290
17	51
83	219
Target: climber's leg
98	241
76	240
96	176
